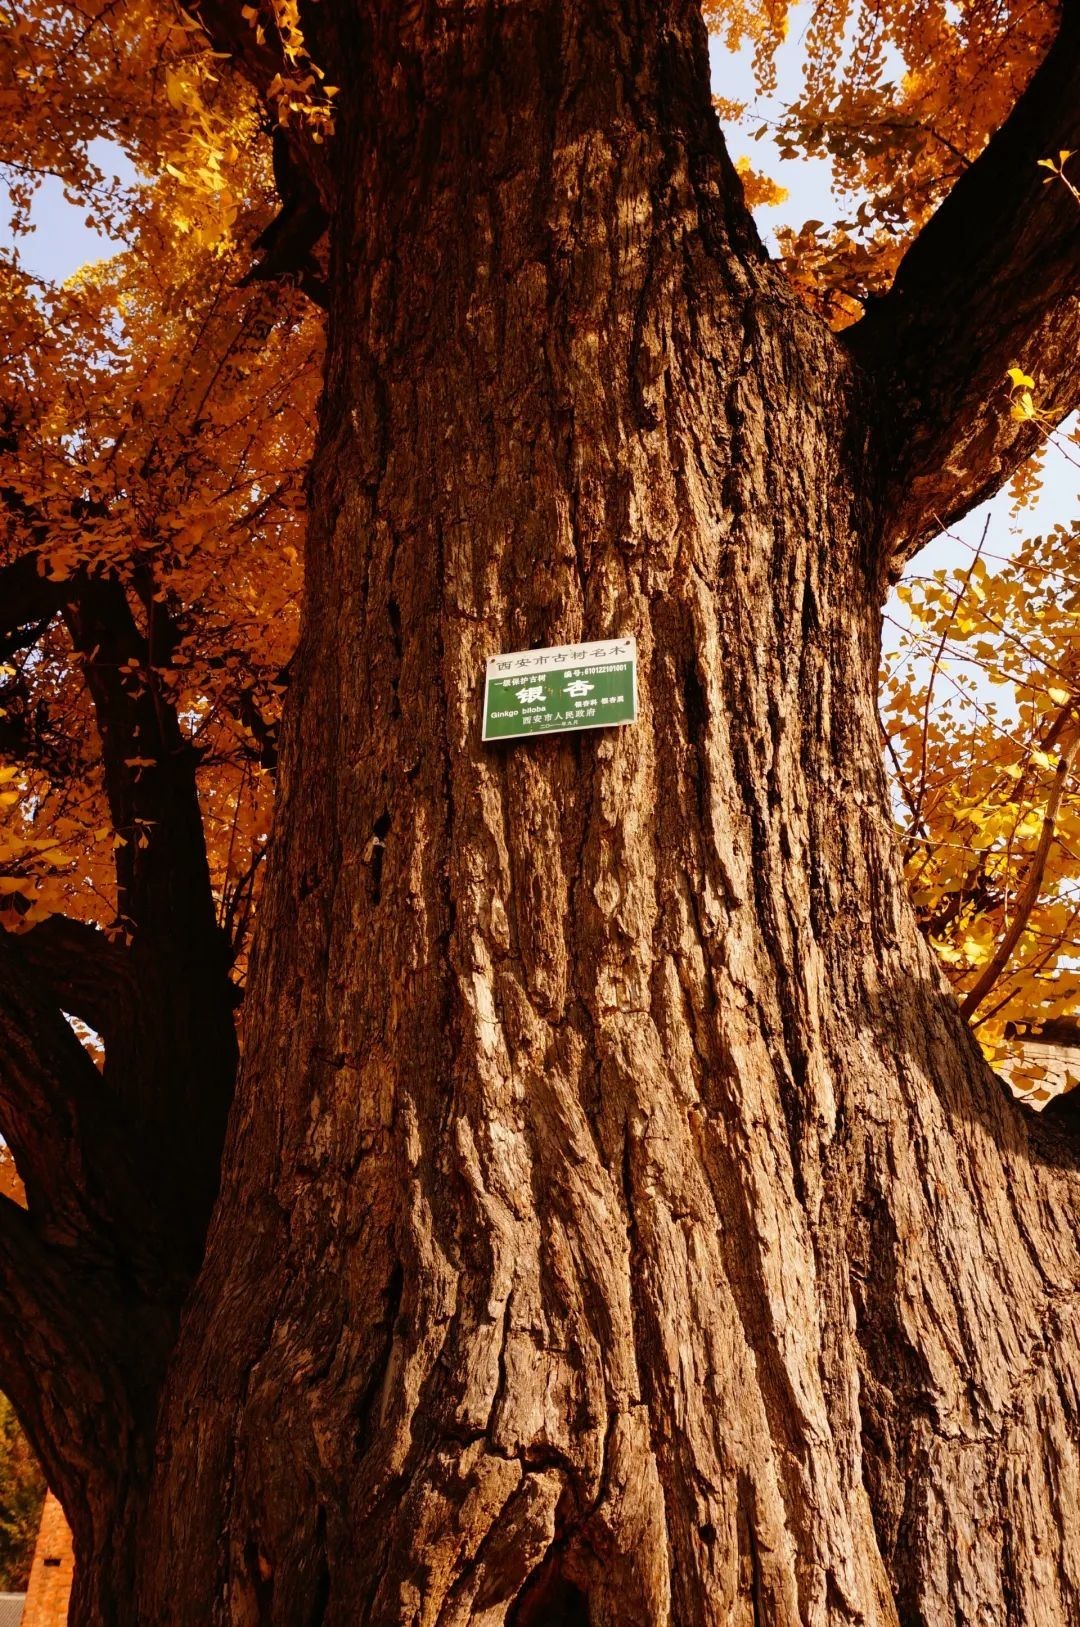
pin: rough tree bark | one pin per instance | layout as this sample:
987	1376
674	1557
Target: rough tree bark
618	1224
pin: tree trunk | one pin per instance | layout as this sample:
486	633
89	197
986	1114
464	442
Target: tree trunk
618	1224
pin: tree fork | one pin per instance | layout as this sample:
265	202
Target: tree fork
166	1006
175	1063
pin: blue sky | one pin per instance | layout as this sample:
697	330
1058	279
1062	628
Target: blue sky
61	241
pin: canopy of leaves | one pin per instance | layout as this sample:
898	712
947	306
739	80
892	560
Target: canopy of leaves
155	423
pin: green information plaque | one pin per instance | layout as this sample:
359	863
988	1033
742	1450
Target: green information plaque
574	686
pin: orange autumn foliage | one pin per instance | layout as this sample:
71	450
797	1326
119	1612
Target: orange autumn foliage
156	423
899	97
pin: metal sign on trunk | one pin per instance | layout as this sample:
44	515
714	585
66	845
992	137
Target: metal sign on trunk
574	686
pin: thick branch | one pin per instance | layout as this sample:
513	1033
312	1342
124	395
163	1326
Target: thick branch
176	1063
992	281
166	1008
81	1358
85	973
46	1082
149	766
72	1149
38	1332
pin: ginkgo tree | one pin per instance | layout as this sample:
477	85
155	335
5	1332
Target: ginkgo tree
616	1220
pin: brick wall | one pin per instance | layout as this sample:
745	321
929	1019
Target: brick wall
50	1575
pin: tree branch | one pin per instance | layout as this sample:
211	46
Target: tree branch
1029	894
175	1063
992	281
172	1062
81	1358
162	876
149	766
302	171
39	1334
164	1006
72	1149
86	974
